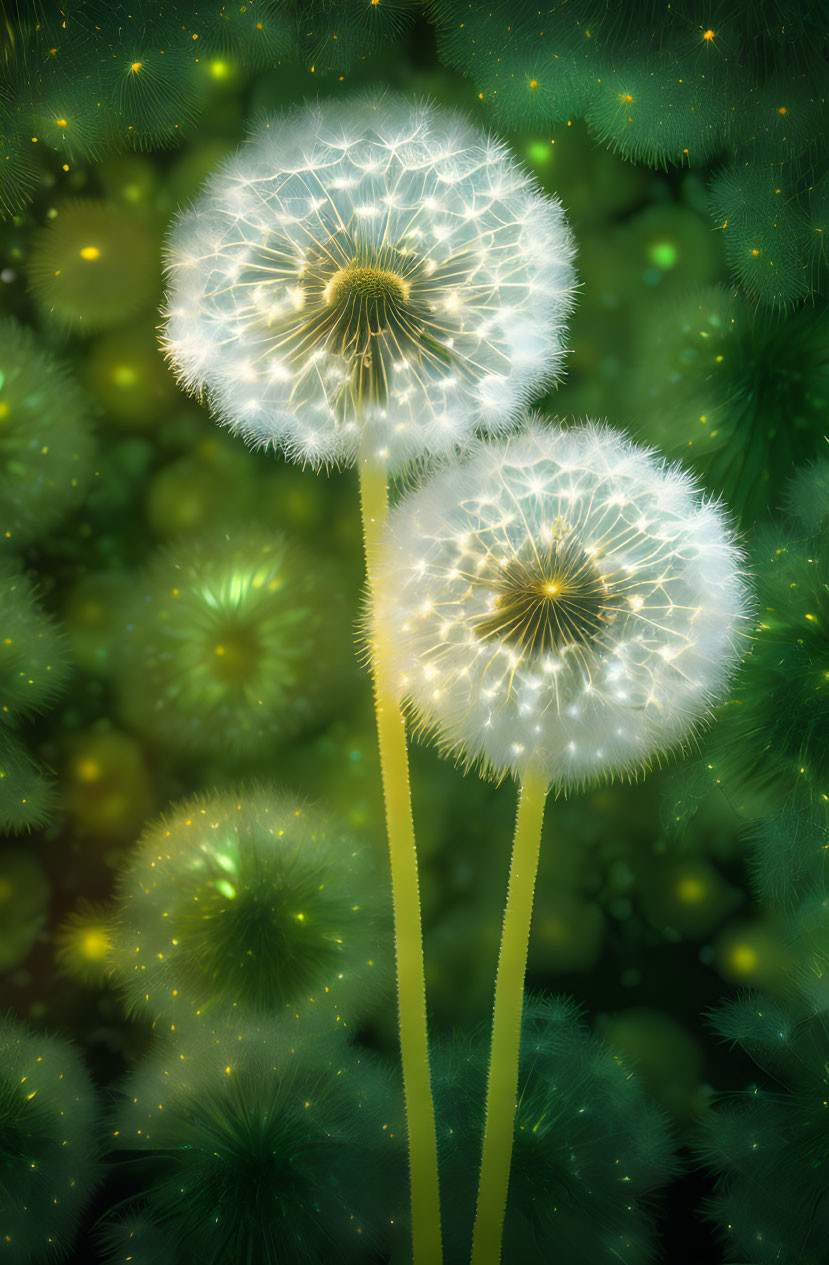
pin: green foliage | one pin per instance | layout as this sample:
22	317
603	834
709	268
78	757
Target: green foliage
576	1183
333	34
760	223
760	1025
560	57
27	796
34	667
770	1147
106	75
258	34
132	1239
45	441
143	66
254	1148
683	84
806	496
738	394
33	659
775	730
656	109
680	84
250	902
233	642
19	176
789	857
49	1144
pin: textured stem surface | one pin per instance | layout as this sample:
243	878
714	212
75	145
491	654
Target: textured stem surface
411	980
502	1086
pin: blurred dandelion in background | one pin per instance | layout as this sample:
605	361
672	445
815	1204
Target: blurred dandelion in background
233	643
46	445
257	1145
50	1143
249	903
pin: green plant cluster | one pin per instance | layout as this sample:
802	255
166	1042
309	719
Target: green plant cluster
99	76
688	84
586	1190
768	1145
739	87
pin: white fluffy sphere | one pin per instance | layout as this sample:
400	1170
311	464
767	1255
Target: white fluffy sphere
372	269
563	599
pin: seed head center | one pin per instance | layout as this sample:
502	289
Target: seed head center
372	288
546	603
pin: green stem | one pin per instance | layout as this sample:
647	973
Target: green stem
502	1086
411	979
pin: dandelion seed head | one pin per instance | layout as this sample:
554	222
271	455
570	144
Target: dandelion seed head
562	598
377	271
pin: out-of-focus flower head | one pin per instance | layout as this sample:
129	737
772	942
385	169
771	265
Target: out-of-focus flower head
562	599
374	273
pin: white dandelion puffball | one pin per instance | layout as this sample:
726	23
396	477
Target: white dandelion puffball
563	600
375	273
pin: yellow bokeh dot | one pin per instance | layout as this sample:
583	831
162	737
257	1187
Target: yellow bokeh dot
744	958
124	376
88	770
690	889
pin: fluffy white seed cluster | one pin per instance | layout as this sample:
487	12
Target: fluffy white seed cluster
376	272
563	599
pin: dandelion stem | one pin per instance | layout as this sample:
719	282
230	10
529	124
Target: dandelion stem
502	1086
411	980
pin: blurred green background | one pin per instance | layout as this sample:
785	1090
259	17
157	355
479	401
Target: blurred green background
645	910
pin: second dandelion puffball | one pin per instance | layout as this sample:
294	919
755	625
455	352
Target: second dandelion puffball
563	600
